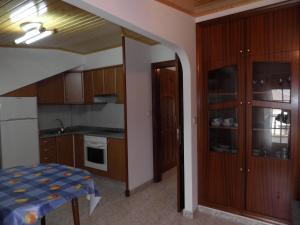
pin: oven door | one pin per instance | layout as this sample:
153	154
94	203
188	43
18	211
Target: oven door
96	156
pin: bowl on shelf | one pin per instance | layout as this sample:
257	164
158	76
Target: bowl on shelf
216	122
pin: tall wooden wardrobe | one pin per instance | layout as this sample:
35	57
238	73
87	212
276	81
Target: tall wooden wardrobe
248	93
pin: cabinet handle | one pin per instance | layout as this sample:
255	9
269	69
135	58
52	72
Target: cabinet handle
248	170
249	103
241	169
241	102
241	51
248	50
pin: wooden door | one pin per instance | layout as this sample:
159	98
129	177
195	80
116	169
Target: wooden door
88	86
221	114
167	122
272	121
120	80
109	81
52	90
74	91
116	159
65	153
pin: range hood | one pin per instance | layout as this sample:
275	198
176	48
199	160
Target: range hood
103	99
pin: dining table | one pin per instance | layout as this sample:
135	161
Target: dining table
29	193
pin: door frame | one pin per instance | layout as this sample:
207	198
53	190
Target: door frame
157	168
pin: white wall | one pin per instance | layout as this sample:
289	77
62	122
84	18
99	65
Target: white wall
20	67
139	120
160	53
176	30
104	58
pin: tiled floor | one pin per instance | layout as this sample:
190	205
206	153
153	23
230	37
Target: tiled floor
155	205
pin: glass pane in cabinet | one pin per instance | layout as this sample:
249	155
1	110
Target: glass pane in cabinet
222	84
271	133
223	127
272	81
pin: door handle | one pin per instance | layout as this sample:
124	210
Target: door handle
178	135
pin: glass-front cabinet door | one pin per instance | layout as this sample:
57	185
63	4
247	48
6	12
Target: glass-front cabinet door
271	114
224	134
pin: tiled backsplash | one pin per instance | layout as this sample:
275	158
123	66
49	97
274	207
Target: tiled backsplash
108	115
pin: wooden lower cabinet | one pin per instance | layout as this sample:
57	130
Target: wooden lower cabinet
65	153
116	159
79	150
48	150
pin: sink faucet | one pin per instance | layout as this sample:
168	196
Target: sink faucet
62	127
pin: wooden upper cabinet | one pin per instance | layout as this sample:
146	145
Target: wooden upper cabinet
98	82
120	85
74	91
52	90
222	40
109	81
27	91
88	86
273	32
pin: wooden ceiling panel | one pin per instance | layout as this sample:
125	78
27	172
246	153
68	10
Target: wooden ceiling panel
78	30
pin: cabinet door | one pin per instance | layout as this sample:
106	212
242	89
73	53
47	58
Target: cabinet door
52	90
98	82
120	85
48	150
65	153
79	151
27	91
74	88
109	81
221	143
274	32
88	87
272	121
116	159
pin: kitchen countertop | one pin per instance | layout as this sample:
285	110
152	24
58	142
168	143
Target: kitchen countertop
84	130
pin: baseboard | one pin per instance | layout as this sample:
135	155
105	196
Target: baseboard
141	187
230	216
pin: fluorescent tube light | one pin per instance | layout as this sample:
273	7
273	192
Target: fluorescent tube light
42	8
27	36
30	26
39	37
25	11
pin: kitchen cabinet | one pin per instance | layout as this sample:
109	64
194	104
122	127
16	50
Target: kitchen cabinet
116	159
52	90
248	91
48	150
88	87
104	81
120	85
79	150
74	90
65	152
27	91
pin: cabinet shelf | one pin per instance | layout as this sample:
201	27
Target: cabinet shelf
223	128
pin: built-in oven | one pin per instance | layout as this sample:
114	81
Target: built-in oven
95	152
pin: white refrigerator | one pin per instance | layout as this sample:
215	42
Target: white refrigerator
19	138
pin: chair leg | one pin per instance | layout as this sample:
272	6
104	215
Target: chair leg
43	221
75	211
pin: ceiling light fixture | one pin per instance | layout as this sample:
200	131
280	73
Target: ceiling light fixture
30	26
28	35
34	32
39	36
28	10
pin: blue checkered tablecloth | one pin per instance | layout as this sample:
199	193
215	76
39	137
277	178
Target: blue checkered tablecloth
29	193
